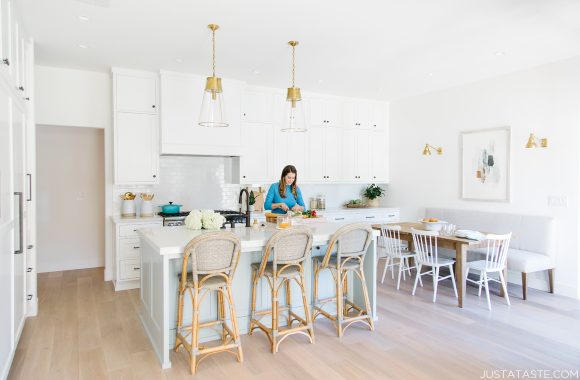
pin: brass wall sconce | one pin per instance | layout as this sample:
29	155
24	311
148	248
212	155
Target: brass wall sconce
535	142
427	150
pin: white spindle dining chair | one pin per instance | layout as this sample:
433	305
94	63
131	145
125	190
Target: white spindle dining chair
392	250
426	249
495	261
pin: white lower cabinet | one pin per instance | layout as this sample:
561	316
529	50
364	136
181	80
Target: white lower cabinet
128	253
370	215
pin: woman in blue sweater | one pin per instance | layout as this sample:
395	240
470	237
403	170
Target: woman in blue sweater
285	195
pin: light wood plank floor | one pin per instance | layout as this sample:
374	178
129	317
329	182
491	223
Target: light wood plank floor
86	330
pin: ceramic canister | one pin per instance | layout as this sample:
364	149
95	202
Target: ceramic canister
128	208
146	208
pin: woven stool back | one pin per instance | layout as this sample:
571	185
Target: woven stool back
351	240
212	253
291	246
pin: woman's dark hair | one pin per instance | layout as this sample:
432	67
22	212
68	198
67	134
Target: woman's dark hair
282	184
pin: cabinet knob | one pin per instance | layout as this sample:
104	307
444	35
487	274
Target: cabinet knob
21	88
6	61
244	114
153	106
243	176
154	176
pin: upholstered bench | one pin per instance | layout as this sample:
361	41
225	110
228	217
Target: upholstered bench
531	248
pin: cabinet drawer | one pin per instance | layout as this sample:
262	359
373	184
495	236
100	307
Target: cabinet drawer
130	230
129	249
129	269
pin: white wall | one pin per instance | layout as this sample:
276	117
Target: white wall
544	100
80	98
72	98
71	198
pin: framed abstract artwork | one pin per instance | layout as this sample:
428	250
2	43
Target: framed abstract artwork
485	165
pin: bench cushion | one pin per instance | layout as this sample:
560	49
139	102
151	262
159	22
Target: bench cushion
518	260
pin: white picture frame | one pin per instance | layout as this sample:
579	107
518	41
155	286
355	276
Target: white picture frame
485	164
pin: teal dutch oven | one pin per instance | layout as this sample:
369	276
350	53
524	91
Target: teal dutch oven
170	208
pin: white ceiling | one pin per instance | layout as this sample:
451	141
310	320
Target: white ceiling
384	49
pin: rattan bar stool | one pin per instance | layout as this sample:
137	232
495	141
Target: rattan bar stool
214	257
351	242
288	250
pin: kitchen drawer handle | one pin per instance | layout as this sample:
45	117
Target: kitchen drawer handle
134	247
392	215
338	218
136	268
135	230
370	217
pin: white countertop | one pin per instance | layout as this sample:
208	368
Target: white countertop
117	219
344	209
172	240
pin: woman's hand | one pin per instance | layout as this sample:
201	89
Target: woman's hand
283	206
297	207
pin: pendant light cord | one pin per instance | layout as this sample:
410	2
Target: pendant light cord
213	50
293	64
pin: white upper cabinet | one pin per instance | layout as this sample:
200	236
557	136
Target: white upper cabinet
379	116
323	112
366	115
257	154
136	92
356	114
136	148
182	95
257	106
379	157
324	155
7	31
136	127
356	160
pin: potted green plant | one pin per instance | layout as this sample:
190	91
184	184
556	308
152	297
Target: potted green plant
252	200
372	192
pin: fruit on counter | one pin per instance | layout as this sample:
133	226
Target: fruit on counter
310	214
430	220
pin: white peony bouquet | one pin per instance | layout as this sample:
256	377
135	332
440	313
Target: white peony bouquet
193	220
211	221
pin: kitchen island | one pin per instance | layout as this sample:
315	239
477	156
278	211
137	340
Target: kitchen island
161	259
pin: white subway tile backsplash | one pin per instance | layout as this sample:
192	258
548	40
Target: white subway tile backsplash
199	183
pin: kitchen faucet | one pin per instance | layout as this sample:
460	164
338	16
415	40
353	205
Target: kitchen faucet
247	205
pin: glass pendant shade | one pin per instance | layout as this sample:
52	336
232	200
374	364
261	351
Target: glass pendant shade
213	113
294	120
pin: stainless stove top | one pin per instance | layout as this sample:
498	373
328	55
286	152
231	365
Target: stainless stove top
178	219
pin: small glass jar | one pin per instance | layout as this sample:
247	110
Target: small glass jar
313	203
283	221
321	202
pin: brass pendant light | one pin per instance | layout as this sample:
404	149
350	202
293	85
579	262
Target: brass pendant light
212	107
294	115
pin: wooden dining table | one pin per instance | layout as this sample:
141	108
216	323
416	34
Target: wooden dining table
459	245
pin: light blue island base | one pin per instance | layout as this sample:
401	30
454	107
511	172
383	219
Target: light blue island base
161	259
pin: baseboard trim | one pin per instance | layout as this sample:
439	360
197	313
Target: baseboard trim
96	263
